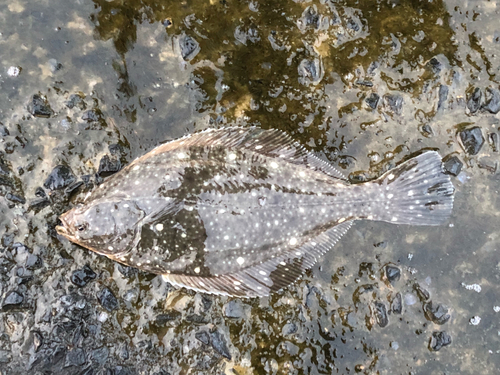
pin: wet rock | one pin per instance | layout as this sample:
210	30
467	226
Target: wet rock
422	294
392	273
427	130
33	262
100	355
439	340
126	271
108	166
234	309
4	132
219	344
123	370
243	35
60	177
92	115
310	19
380	312
75	357
397	304
434	65
76	100
15	198
437	314
474	100
493	141
39	106
107	299
40	193
123	351
73	187
12	300
372	100
83	276
394	103
5	356
38	204
452	165
189	47
203	336
197	319
492	98
443	96
472	140
310	71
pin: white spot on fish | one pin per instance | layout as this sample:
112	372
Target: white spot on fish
197	270
302	174
258	147
236	283
390	177
341	220
293	241
159	227
136	168
274	165
410	193
231	156
137	182
181	155
389	196
110	247
240	261
394	218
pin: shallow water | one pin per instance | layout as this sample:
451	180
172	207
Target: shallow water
145	72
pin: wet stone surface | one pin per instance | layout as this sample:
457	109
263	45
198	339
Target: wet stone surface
472	140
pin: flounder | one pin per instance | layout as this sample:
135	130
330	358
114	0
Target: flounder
244	211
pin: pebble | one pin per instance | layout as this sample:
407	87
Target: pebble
234	309
397	304
472	140
12	300
474	101
82	277
422	293
203	336
75	357
443	96
108	166
162	319
219	344
76	100
437	314
493	140
380	312
310	71
372	100
33	262
189	47
392	273
394	103
492	104
60	177
439	340
452	165
92	115
37	341
107	299
39	106
289	328
15	198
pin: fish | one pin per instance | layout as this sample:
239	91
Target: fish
244	212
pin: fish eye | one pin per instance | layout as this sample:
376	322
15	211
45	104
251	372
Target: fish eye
82	227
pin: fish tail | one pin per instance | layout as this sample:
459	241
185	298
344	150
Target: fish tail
417	192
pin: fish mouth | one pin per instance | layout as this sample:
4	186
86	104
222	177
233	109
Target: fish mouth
63	228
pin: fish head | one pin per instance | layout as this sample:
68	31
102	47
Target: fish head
108	228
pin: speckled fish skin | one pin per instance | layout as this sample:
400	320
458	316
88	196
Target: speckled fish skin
244	211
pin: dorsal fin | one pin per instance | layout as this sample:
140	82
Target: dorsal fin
267	277
270	143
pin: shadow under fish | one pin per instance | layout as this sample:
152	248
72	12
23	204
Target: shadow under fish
244	211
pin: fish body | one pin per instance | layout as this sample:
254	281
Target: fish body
244	211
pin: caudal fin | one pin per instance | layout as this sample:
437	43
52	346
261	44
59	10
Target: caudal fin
417	192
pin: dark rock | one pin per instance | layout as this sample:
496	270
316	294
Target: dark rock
5	356
60	177
439	340
203	336
37	341
434	65
372	67
4	132
4	170
122	370
472	140
126	271
75	100
452	165
38	204
15	198
310	17
234	309
438	314
33	262
354	24
83	276
443	96
73	187
422	294
162	319
427	130
372	100
75	357
197	319
392	273
39	107
474	101
310	71
219	344
40	193
107	299
108	166
92	115
189	47
492	104
394	103
397	304
493	140
12	300
123	352
380	312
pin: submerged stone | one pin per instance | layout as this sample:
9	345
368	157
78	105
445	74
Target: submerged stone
492	101
475	100
437	314
39	107
60	177
83	276
472	140
107	299
393	273
452	165
439	340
